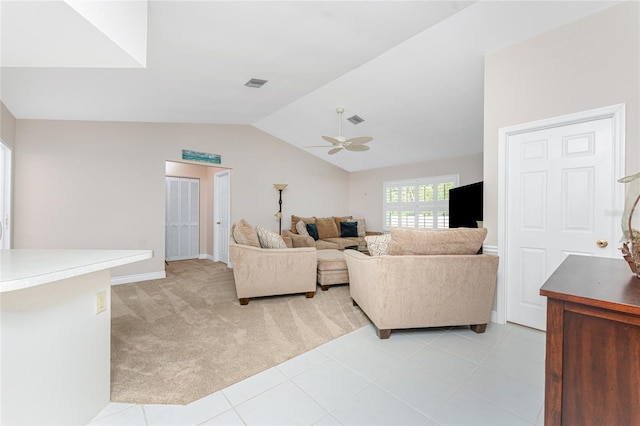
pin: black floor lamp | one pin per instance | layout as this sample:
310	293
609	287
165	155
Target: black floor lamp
280	187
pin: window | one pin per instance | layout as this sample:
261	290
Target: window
418	203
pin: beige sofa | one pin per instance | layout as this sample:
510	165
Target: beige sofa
260	271
407	288
329	231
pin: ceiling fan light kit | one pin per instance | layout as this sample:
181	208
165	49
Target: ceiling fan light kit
340	142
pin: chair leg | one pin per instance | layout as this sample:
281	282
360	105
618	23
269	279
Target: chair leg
310	294
383	334
244	301
479	328
324	287
354	302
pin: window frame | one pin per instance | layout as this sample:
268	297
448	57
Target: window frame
416	206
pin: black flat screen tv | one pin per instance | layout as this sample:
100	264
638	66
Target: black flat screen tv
465	206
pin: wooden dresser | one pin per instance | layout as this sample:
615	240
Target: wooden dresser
593	343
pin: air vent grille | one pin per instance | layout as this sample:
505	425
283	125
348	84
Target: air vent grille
255	82
355	119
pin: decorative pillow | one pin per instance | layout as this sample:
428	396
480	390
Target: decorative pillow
378	244
338	219
269	239
362	231
244	233
295	219
327	228
312	230
348	229
302	228
406	241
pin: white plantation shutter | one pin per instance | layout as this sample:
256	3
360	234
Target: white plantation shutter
418	203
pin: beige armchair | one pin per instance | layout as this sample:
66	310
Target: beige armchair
266	271
417	290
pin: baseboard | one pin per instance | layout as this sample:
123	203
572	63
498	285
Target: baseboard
490	249
126	279
206	256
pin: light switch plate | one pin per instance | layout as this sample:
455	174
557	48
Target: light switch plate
101	302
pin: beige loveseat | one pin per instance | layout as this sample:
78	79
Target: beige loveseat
329	231
260	271
421	283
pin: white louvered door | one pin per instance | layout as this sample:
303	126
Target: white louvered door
559	202
182	231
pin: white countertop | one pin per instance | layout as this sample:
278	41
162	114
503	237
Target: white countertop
24	268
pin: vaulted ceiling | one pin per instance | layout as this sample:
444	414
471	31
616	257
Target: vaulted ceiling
413	70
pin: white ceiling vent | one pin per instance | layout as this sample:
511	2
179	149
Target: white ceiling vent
355	119
255	82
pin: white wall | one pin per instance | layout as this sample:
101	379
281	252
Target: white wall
588	64
365	187
102	184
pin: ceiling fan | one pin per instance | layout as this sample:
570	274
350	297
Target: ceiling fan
340	142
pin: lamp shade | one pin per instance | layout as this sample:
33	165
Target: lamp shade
280	186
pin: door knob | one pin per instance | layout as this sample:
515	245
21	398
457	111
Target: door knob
217	223
602	243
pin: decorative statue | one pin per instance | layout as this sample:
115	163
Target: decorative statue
631	223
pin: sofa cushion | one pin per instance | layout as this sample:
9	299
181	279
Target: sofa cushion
326	244
362	231
312	230
301	227
378	244
295	219
406	241
327	228
348	229
244	233
269	239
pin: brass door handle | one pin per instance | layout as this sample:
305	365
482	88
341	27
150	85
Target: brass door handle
602	243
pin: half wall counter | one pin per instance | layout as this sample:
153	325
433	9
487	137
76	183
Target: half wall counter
55	327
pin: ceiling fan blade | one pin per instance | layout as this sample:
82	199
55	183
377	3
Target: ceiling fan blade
356	147
334	150
331	140
359	140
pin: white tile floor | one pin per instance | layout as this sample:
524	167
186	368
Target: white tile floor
419	377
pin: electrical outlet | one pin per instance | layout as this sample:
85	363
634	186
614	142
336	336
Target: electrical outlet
101	302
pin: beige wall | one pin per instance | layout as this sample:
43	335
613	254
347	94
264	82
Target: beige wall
365	187
592	63
102	184
7	126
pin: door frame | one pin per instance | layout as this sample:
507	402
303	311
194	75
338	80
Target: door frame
616	113
5	193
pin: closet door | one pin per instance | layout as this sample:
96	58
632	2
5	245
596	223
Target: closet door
182	229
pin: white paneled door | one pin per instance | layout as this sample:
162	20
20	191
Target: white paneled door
560	199
222	218
182	236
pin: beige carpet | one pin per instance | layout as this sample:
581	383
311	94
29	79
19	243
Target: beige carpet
176	340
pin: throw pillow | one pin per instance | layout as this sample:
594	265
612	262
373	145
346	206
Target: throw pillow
312	230
269	239
362	231
295	219
338	219
406	241
302	228
244	233
378	244
327	228
348	229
